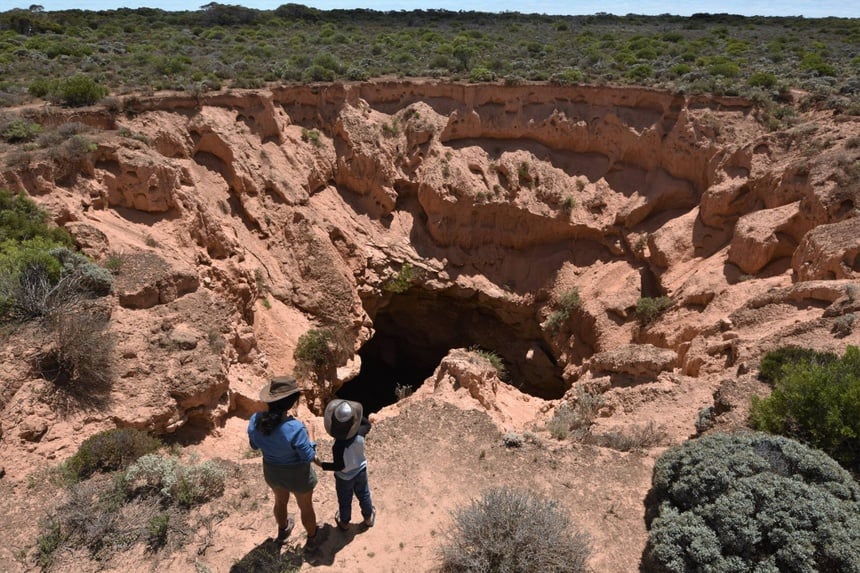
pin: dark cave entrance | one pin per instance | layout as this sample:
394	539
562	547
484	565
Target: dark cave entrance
416	329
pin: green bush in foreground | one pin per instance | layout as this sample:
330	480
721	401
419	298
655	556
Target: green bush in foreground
751	502
816	399
511	530
107	451
770	368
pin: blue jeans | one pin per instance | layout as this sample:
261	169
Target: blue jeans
346	488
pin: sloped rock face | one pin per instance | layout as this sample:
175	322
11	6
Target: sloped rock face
248	218
829	252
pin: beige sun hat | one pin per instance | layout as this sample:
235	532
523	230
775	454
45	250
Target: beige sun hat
342	418
279	387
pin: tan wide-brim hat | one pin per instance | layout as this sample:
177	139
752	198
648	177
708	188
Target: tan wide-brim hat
342	418
279	387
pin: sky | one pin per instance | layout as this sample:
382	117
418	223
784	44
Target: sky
805	8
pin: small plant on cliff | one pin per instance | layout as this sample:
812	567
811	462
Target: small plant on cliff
514	530
567	302
401	283
311	136
493	358
315	351
648	309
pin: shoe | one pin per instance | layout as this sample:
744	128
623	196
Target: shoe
342	525
284	532
371	519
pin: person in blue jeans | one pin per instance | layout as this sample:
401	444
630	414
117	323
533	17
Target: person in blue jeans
344	421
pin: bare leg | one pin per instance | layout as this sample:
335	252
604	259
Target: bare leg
309	516
282	497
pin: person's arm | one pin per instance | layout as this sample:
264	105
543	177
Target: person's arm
363	427
338	463
251	434
303	445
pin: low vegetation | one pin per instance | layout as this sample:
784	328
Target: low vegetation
751	502
513	530
144	49
122	491
574	419
815	399
566	304
648	309
108	451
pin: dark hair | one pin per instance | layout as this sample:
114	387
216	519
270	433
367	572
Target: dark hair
268	421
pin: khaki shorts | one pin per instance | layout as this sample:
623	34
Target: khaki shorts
300	478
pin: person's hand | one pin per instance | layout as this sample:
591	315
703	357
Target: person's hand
318	462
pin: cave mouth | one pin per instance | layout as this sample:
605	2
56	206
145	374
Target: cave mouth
416	329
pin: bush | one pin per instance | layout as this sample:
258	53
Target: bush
185	485
37	278
567	303
81	360
817	402
648	309
21	219
80	90
771	365
19	130
633	439
314	350
511	530
575	418
107	451
751	502
496	361
77	90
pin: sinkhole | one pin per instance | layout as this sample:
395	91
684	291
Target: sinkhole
416	329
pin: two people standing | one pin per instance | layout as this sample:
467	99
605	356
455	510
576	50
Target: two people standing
288	453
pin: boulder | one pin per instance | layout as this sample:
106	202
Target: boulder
829	252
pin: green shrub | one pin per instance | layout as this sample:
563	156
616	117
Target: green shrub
79	90
38	278
19	130
22	219
817	402
567	303
402	281
108	451
751	502
156	530
513	531
481	74
772	364
493	358
648	309
315	351
762	80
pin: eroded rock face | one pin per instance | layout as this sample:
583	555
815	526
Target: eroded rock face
829	252
147	280
246	219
